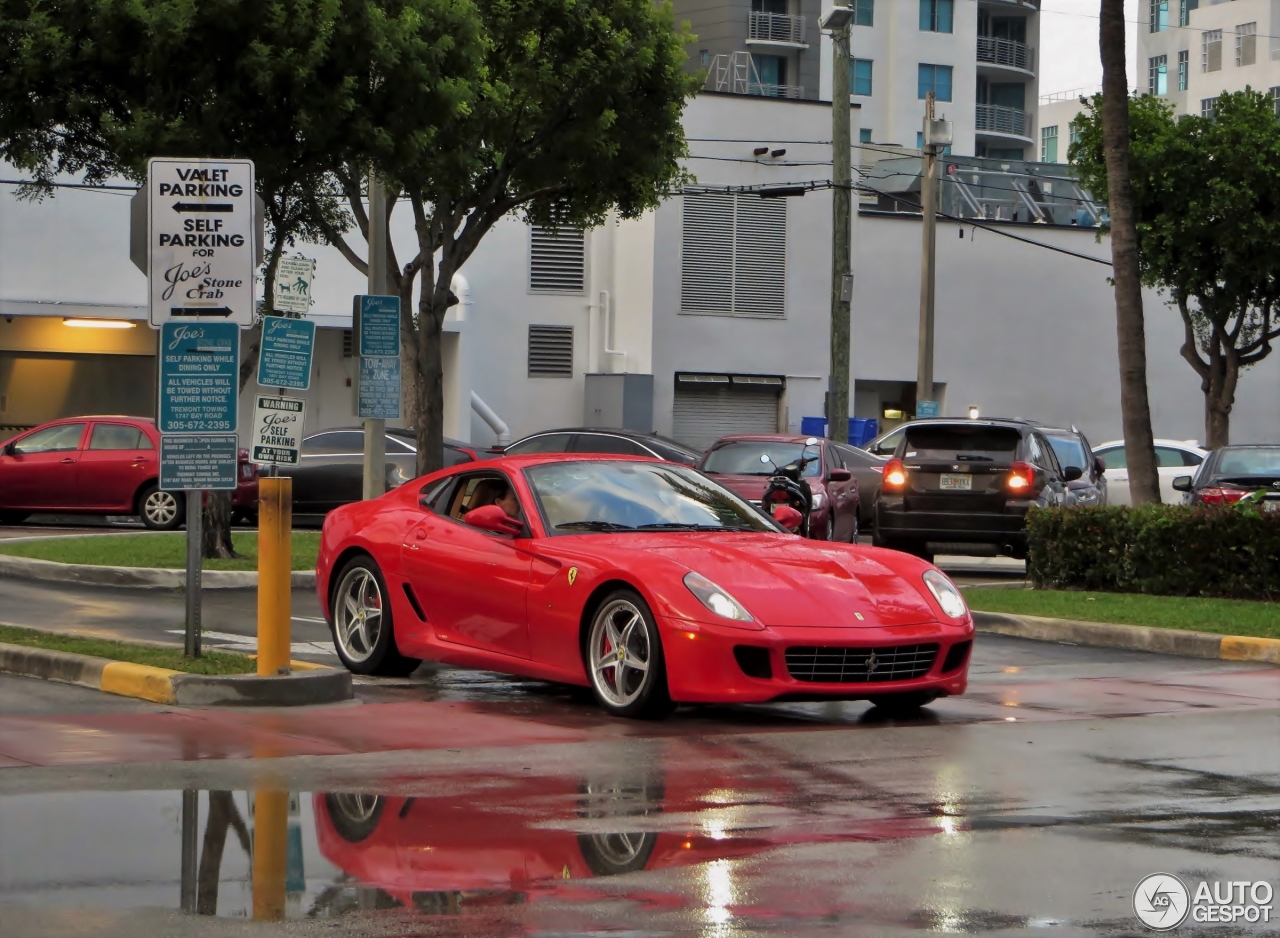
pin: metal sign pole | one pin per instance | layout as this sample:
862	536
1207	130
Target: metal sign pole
195	524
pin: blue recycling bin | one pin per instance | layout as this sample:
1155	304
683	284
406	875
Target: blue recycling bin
862	430
813	426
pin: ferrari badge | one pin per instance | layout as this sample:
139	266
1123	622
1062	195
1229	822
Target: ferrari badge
573	575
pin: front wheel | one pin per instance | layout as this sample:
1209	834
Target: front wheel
363	630
160	510
624	658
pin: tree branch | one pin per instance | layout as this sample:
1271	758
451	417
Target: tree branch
1189	349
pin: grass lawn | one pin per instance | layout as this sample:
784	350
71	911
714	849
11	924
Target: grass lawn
157	550
155	655
1220	616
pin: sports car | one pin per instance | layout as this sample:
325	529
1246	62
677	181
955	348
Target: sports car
644	580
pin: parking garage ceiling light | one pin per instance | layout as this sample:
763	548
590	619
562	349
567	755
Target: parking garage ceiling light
99	323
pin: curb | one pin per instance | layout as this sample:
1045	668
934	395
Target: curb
312	684
50	571
1133	637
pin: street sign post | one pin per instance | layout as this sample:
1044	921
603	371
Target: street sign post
277	431
199	377
200	243
293	284
380	388
377	325
284	358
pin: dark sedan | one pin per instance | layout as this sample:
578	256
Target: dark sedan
603	440
331	468
1072	449
1230	473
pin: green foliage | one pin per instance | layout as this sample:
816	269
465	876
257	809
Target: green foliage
166	551
156	656
1166	550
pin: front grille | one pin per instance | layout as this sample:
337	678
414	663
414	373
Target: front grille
860	665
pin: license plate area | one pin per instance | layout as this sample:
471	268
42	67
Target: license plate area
955	482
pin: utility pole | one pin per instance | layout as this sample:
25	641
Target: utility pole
937	135
375	430
838	23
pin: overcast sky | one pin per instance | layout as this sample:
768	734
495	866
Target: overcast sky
1069	45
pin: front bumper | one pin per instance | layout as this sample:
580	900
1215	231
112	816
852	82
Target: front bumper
702	666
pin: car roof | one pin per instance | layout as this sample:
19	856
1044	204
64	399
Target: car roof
1174	444
537	459
615	431
767	438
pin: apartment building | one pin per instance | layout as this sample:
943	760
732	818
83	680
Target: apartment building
1192	51
977	56
1057	111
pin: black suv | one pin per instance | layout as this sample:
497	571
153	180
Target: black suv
961	485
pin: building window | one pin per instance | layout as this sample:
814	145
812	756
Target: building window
1184	11
1275	99
1211	50
1246	44
936	16
1049	144
864	135
1158	75
935	78
1073	135
705	56
860	76
551	351
1159	19
734	250
1184	68
1208	106
864	12
557	260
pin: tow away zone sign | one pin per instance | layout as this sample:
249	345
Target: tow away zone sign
277	431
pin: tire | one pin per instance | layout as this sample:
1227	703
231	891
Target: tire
623	689
162	511
361	623
354	817
857	529
903	705
12	517
613	799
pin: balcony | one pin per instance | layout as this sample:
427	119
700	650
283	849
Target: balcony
736	73
1006	121
776	29
764	89
1007	53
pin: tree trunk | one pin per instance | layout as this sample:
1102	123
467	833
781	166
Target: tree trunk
223	816
429	425
1219	392
216	533
1144	482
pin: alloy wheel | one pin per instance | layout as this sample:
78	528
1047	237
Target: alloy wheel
160	508
357	809
619	653
357	614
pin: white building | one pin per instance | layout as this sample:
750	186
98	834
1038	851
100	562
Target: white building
720	299
1057	111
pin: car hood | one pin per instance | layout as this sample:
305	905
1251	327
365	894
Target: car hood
789	581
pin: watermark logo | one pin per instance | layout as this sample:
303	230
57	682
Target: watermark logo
1161	902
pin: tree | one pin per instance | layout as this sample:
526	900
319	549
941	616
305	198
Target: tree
1135	409
576	113
97	87
1207	202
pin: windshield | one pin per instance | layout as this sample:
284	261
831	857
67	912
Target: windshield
1263	461
743	458
1069	450
637	496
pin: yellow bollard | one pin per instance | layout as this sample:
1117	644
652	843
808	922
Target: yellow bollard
270	852
275	564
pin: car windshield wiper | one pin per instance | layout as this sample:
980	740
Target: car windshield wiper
593	526
686	526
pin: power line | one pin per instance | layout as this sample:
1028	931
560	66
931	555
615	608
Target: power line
110	190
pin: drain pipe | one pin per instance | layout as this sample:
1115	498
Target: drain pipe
608	328
485	412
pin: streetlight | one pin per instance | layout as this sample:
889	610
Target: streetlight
837	23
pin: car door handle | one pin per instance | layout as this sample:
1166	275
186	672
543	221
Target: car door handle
68	461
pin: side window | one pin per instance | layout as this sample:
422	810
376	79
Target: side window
116	436
60	439
394	445
606	443
1035	453
890	443
1191	459
476	490
1115	458
543	443
434	496
336	443
1051	459
833	458
1167	456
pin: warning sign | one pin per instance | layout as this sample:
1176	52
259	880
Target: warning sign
277	431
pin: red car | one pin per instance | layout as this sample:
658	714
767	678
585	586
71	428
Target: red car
644	580
99	466
735	463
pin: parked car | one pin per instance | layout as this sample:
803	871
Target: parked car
868	472
100	466
1230	473
605	441
1173	458
734	462
1072	449
330	470
967	484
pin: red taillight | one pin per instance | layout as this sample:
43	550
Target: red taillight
895	474
1221	496
1021	475
778	496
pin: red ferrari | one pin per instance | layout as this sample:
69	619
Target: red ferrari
644	580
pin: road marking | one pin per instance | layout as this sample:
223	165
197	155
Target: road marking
229	641
309	619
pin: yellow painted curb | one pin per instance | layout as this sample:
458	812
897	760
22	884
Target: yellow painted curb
138	680
297	665
1240	648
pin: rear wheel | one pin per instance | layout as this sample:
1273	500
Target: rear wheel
160	510
906	704
363	630
354	817
624	658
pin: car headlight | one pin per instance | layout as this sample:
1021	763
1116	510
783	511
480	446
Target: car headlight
946	594
716	599
817	501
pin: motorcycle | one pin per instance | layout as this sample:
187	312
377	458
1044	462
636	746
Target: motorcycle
787	491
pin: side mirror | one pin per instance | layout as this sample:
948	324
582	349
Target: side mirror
812	441
1101	464
493	519
764	458
788	517
1183	483
1071	473
840	475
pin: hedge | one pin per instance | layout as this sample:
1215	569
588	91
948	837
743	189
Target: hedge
1161	550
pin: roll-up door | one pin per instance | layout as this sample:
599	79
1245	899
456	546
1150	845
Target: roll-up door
708	407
